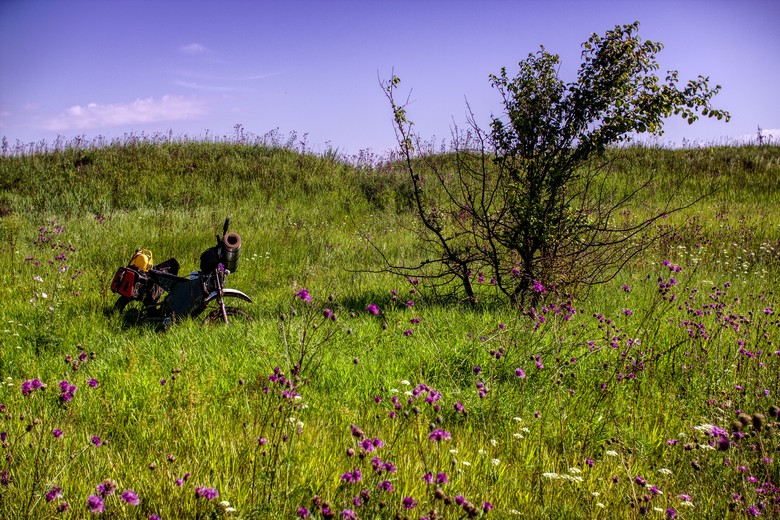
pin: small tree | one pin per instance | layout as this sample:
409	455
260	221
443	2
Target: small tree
528	203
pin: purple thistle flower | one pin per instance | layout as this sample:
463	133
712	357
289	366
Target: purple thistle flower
409	503
96	440
626	288
441	478
349	514
328	314
367	445
519	372
408	332
57	433
372	308
717	431
106	488
538	287
95	504
439	435
130	497
386	485
487	506
428	478
640	481
458	406
303	512
27	388
304	295
389	467
68	391
684	497
54	493
207	493
93	383
352	476
477	370
63	507
671	513
154	517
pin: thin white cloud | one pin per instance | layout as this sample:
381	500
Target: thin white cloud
140	111
215	88
220	83
193	48
200	76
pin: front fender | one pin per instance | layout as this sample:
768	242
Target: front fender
227	293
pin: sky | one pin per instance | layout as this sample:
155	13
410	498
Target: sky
199	69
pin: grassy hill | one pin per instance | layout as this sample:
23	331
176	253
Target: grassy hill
606	406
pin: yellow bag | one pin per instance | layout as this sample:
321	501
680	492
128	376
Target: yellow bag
142	259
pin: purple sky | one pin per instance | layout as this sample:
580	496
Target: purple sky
197	68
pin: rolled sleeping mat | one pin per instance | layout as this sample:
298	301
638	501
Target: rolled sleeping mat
231	243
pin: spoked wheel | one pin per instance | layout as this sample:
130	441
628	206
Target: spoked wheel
131	310
134	312
215	316
121	303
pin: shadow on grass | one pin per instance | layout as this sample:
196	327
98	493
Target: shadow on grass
358	302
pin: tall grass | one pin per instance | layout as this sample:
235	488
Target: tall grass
652	395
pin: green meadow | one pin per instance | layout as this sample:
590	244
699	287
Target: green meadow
653	395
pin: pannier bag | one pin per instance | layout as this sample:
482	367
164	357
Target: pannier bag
128	281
